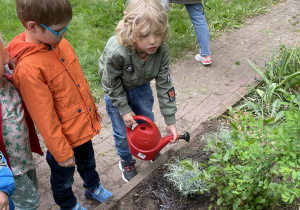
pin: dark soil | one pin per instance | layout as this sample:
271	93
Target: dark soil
156	192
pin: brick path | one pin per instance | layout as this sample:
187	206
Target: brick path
202	93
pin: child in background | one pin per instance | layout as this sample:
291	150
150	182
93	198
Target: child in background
17	139
196	11
137	54
58	98
7	185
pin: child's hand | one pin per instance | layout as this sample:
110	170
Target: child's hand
99	115
4	203
171	130
128	119
68	163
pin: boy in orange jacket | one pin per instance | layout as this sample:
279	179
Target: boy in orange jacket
58	98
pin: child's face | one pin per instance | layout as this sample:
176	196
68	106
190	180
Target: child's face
47	36
149	43
4	58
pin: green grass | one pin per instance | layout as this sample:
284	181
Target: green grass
94	22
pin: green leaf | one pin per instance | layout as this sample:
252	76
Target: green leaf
203	164
288	78
251	140
259	72
260	92
214	156
235	192
220	201
241	168
294	175
284	197
273	186
268	120
226	156
211	168
292	164
291	199
266	182
234	125
211	185
236	203
260	200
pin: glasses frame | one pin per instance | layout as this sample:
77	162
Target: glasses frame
54	32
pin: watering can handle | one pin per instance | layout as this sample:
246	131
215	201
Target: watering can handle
185	136
144	118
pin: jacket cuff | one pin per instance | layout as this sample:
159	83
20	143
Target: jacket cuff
170	119
124	109
7	192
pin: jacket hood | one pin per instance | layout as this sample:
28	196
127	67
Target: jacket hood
18	48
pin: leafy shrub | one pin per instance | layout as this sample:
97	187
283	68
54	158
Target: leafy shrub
262	168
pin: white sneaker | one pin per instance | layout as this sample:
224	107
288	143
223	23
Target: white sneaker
204	60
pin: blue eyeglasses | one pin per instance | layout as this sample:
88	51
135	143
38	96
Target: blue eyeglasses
55	32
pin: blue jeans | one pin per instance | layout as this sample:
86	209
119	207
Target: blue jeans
140	99
62	177
201	28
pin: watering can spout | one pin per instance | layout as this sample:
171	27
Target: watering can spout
185	136
166	140
145	141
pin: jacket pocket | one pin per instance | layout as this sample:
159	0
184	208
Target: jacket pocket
75	122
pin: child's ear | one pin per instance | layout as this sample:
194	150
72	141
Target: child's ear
5	56
31	26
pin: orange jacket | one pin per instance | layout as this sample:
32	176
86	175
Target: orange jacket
56	94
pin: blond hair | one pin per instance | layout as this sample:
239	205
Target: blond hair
48	12
139	17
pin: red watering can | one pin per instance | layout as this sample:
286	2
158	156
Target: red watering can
145	140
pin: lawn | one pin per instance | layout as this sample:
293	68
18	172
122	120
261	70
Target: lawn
94	22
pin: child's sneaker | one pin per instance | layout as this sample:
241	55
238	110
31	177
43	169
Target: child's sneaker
128	169
78	207
204	60
100	194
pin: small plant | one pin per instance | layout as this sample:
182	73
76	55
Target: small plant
183	179
237	63
280	79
